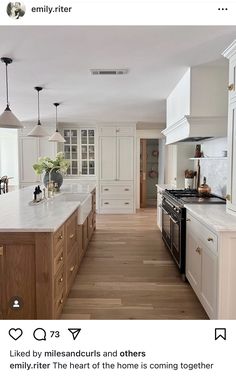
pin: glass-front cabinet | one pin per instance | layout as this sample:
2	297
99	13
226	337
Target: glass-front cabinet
79	149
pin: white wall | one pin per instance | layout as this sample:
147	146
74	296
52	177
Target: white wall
9	154
215	170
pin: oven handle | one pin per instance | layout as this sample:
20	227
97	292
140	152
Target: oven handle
164	210
174	221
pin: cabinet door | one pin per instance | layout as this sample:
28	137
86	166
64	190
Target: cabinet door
125	158
193	261
232	78
108	158
29	152
231	184
209	281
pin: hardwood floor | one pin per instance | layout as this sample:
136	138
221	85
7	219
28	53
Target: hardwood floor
128	273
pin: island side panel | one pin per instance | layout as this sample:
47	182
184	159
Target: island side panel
44	275
17	275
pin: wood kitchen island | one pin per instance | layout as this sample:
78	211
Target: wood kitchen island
41	248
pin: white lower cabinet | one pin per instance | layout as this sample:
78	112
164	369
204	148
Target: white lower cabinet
116	197
202	264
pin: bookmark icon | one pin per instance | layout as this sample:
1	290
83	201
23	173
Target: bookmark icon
75	332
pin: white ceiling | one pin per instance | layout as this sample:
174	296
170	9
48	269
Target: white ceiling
59	58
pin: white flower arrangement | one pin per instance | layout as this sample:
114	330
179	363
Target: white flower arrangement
47	164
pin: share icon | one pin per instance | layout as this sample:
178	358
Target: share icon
75	332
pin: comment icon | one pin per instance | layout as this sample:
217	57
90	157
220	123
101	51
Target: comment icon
40	334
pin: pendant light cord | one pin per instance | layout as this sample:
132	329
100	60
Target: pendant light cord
39	123
56	120
7	86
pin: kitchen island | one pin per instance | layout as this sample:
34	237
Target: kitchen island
41	248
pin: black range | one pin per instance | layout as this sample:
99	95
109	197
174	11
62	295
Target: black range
174	219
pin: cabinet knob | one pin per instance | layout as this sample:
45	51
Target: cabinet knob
106	203
71	236
231	87
61	280
61	301
198	250
228	197
72	268
1	250
188	220
106	189
210	239
126	189
60	258
126	203
60	237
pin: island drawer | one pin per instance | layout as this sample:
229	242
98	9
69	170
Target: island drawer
72	267
71	232
59	259
58	238
59	302
59	283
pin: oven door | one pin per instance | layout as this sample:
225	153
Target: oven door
175	231
166	227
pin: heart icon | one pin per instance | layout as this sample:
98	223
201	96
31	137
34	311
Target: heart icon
15	333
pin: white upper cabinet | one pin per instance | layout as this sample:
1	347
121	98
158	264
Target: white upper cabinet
230	53
108	160
125	159
116	153
197	106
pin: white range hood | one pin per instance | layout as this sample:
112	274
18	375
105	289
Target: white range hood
195	129
197	107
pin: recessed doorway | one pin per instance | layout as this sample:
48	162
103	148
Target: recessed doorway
149	162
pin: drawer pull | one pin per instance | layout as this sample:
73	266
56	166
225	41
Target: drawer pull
106	189
210	239
106	203
126	203
61	301
61	280
231	87
198	250
72	269
1	251
126	189
188	220
71	236
60	237
60	259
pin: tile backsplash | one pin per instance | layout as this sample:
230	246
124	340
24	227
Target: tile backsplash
215	170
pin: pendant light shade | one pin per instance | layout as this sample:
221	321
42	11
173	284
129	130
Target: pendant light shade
56	136
7	118
38	130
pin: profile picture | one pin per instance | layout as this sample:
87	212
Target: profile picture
16	10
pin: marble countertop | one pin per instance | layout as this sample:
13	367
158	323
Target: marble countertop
162	187
18	216
214	216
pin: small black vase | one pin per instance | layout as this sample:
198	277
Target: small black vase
56	177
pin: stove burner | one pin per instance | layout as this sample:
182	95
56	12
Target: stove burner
191	196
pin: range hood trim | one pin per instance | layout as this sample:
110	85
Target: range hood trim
196	126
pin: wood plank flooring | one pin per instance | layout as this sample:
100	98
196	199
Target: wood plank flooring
127	273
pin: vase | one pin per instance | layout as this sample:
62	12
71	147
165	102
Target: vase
56	177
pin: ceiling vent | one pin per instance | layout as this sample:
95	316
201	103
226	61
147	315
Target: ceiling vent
107	72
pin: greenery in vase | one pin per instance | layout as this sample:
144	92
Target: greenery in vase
47	164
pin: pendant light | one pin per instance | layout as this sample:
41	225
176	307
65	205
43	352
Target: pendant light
38	130
56	136
8	119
